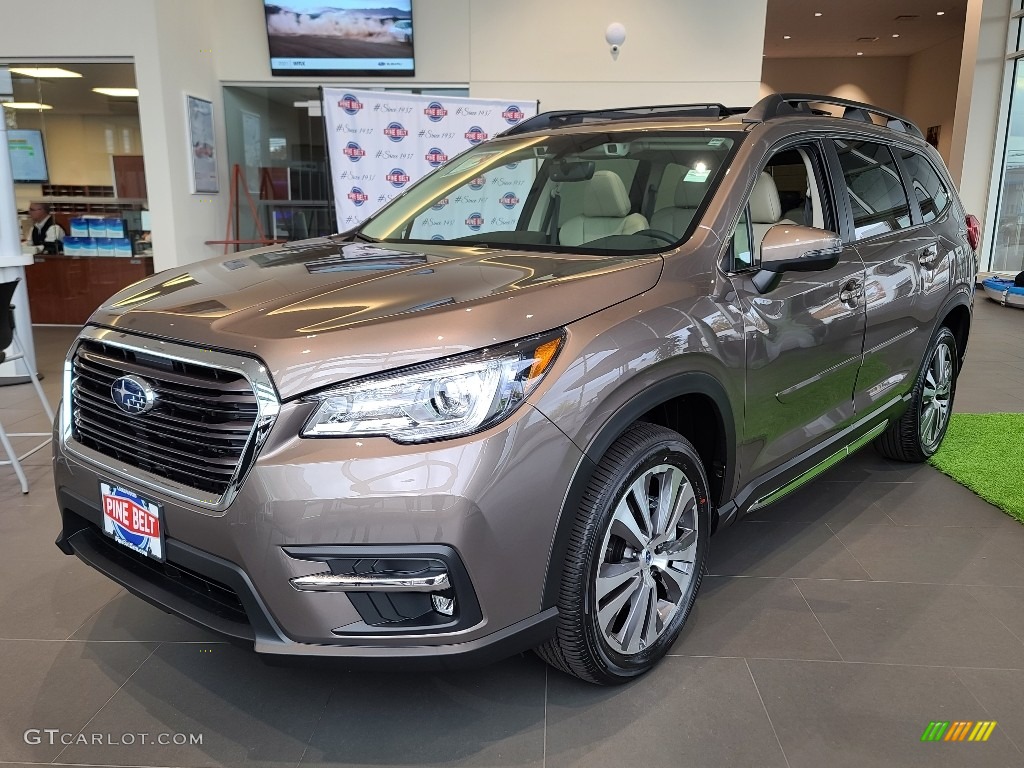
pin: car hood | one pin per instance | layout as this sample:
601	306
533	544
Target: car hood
320	312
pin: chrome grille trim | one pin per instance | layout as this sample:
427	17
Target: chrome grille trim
228	434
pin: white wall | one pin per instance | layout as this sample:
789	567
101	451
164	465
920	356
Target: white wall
674	51
923	86
877	80
932	78
166	41
976	151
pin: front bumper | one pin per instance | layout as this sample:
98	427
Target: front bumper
484	506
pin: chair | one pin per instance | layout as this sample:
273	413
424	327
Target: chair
605	212
677	217
9	338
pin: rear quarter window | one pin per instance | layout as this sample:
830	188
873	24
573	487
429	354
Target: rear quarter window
932	194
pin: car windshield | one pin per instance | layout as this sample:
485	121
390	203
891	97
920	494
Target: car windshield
628	192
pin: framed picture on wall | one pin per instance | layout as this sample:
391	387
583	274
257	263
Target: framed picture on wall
202	145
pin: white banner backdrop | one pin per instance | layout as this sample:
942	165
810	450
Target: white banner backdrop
379	143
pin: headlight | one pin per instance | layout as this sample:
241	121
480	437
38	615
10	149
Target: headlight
448	398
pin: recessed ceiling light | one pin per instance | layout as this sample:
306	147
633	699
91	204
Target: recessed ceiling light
895	35
817	13
785	37
860	53
117	91
44	72
25	105
940	13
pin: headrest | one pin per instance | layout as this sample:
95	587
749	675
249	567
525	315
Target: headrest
606	196
765	207
690	194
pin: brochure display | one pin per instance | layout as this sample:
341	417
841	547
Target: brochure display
381	143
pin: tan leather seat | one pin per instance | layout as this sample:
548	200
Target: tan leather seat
765	208
605	212
675	219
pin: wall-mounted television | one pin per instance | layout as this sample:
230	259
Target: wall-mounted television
340	37
28	157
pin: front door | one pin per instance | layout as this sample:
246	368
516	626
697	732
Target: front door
804	335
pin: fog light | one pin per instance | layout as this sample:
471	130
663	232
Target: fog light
444	605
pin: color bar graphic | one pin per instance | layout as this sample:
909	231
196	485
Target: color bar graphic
958	730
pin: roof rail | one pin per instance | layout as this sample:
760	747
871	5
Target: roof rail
561	118
782	104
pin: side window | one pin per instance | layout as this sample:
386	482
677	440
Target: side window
742	252
931	192
877	196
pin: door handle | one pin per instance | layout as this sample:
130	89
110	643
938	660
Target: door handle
852	292
929	256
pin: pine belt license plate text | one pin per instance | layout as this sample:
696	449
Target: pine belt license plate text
132	520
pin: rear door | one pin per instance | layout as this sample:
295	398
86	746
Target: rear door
885	228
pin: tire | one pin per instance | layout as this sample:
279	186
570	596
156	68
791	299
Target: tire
919	431
610	630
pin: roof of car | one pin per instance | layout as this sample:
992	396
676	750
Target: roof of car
716	116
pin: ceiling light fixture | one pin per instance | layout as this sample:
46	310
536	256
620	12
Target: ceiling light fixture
44	72
860	53
25	105
940	13
124	92
895	35
817	13
785	37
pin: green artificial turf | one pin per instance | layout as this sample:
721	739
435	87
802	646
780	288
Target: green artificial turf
985	452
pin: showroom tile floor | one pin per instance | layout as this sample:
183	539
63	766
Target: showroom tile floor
831	629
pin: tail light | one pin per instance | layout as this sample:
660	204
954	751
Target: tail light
973	231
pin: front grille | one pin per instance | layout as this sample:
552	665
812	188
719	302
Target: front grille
195	435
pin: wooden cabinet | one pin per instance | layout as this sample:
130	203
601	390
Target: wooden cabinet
65	290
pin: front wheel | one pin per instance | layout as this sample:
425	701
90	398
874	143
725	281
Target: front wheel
919	432
635	559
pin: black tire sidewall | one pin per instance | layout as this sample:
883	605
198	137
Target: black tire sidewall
677	452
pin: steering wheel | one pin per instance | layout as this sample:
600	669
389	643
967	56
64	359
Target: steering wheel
659	234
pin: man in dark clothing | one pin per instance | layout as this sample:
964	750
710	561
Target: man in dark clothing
47	234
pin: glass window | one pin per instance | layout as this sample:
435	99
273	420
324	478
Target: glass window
877	195
1008	235
276	137
577	194
931	192
742	253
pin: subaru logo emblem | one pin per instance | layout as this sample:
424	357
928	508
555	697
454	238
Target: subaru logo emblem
133	395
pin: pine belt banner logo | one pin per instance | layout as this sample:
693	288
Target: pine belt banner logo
132	520
958	730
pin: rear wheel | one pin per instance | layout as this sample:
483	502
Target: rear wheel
635	558
919	432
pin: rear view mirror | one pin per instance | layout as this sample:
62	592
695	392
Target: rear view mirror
572	170
794	248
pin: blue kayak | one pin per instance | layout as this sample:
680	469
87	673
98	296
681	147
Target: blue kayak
1003	290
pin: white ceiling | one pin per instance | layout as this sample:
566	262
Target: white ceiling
835	32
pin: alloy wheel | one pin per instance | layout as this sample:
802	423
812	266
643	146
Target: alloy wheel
648	564
936	397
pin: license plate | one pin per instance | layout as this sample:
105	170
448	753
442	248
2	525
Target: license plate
132	520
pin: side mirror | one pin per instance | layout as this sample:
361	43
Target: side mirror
794	248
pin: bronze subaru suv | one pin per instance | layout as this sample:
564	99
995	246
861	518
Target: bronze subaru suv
389	444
